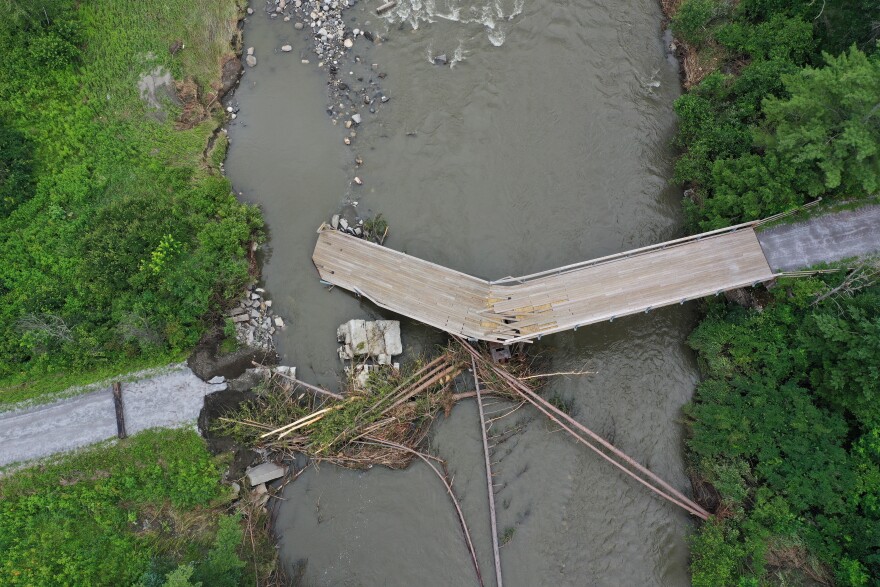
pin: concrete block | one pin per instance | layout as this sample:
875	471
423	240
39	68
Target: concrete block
264	473
391	334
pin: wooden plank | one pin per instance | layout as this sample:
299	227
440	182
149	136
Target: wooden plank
582	294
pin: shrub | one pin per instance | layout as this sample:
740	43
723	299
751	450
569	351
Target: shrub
694	19
786	427
93	518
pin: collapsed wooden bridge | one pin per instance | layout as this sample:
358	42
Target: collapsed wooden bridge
516	309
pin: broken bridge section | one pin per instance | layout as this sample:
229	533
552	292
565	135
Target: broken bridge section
517	309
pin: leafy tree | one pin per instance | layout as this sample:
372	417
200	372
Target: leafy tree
785	425
780	38
829	125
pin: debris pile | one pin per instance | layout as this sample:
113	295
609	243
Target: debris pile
378	340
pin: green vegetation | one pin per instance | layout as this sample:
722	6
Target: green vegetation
785	426
149	510
507	536
118	241
789	115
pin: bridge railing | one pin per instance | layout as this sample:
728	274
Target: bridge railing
649	248
624	254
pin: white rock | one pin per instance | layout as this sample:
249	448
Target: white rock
334	222
264	473
356	32
260	290
298	26
250	10
233	116
356	118
229	108
217	379
279	322
251	61
250	50
358	180
348	43
391	334
268	303
286	48
343	223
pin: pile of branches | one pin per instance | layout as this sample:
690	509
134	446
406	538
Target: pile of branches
352	430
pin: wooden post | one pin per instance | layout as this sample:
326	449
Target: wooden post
120	415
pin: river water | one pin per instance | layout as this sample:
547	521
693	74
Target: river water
545	142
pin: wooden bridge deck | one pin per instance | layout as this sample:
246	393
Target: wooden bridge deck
516	309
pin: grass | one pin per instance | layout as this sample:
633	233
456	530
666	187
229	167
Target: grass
127	239
25	390
132	512
100	516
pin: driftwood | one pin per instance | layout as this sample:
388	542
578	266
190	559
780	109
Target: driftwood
446	482
489	484
303	384
386	7
570	425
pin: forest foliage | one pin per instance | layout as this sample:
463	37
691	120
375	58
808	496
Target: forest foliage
118	238
786	424
790	114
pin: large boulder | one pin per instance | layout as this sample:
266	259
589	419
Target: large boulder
379	339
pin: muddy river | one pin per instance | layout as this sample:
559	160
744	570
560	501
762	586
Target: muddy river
544	139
